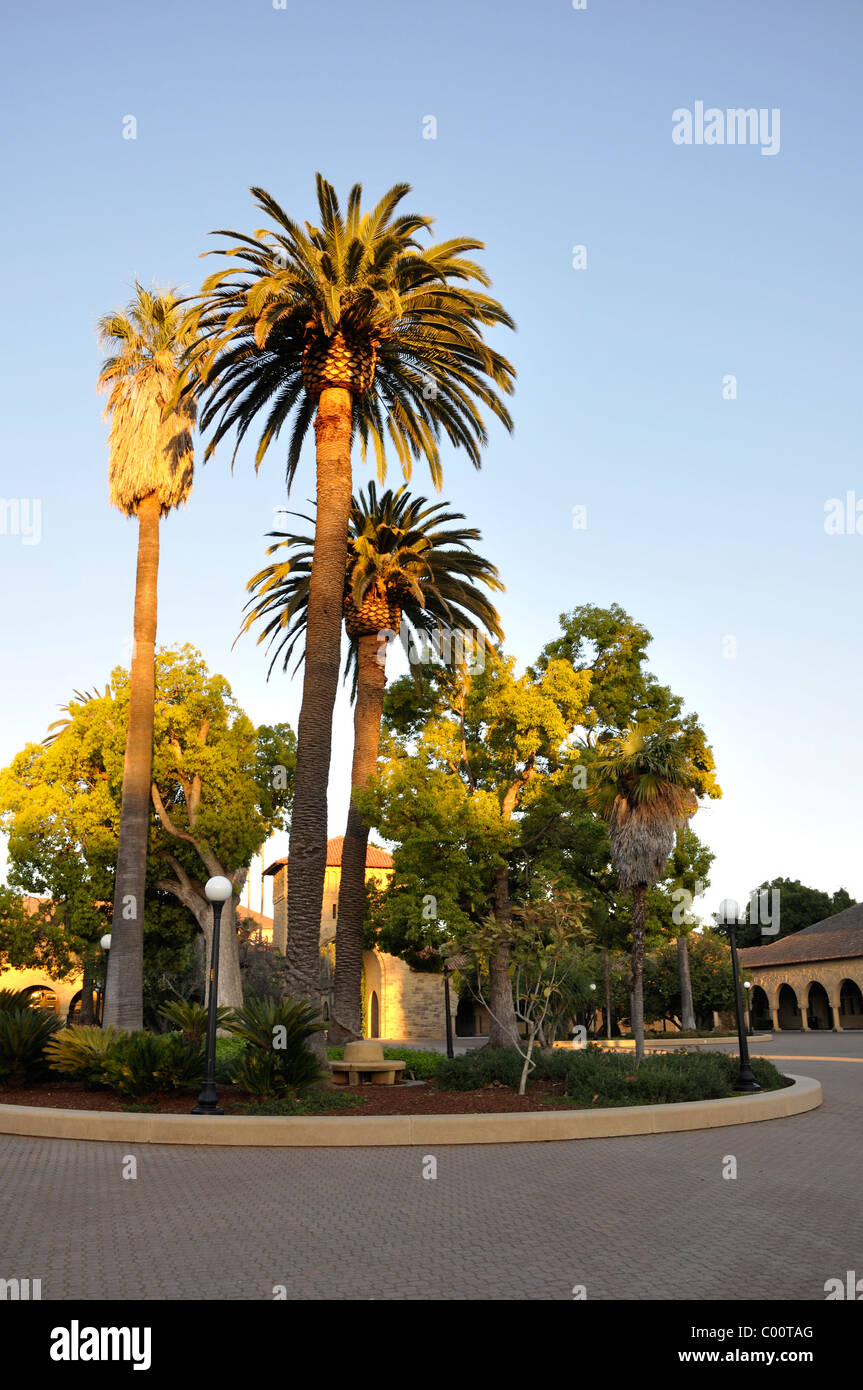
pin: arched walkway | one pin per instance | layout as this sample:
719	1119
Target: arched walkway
41	997
818	1012
850	1005
760	1010
789	1013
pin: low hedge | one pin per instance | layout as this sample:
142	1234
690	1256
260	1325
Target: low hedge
596	1078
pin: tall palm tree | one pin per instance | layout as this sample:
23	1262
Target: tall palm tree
644	787
358	327
407	570
149	472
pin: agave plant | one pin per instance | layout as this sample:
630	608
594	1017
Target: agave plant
24	1035
278	1029
11	999
190	1018
81	1053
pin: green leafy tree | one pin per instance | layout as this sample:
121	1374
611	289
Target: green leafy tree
219	788
150	472
410	571
798	906
358	327
465	756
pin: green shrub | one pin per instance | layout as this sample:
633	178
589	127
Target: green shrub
24	1035
81	1053
484	1067
310	1103
191	1019
597	1078
229	1051
142	1064
424	1065
278	1030
552	1064
259	1073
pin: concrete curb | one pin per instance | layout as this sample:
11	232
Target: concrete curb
334	1131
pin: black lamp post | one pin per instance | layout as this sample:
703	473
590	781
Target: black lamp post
728	913
218	890
105	943
447	971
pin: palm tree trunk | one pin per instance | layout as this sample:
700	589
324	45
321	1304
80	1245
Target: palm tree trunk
687	1012
607	973
125	984
307	849
86	1013
347	1022
636	975
503	1026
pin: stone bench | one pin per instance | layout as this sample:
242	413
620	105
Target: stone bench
364	1062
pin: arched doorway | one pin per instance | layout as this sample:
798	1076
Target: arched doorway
818	1013
850	1004
789	1014
374	1015
41	997
760	1010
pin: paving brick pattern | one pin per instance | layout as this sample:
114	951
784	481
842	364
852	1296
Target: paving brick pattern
646	1217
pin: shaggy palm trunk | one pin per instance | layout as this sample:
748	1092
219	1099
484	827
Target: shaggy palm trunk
687	1012
307	848
124	1003
86	1012
636	975
347	1022
503	1027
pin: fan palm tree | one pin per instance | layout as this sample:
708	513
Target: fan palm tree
407	569
643	786
150	472
359	328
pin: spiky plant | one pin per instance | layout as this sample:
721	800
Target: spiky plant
644	787
407	567
356	326
149	473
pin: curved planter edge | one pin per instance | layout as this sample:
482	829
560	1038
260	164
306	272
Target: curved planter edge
336	1131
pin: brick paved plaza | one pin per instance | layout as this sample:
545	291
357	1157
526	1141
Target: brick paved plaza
647	1217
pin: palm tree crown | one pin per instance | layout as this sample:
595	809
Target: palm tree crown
150	450
643	788
358	303
405	562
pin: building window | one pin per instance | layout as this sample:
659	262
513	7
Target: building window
334	911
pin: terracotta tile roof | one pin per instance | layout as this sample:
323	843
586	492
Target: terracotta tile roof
376	858
836	938
247	914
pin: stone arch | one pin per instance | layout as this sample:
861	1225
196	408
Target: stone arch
374	985
787	1007
850	1004
819	1014
42	997
759	1009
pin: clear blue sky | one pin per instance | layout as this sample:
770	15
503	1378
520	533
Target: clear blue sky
705	515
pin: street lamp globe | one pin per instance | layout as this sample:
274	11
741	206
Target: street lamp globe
105	941
729	912
218	889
